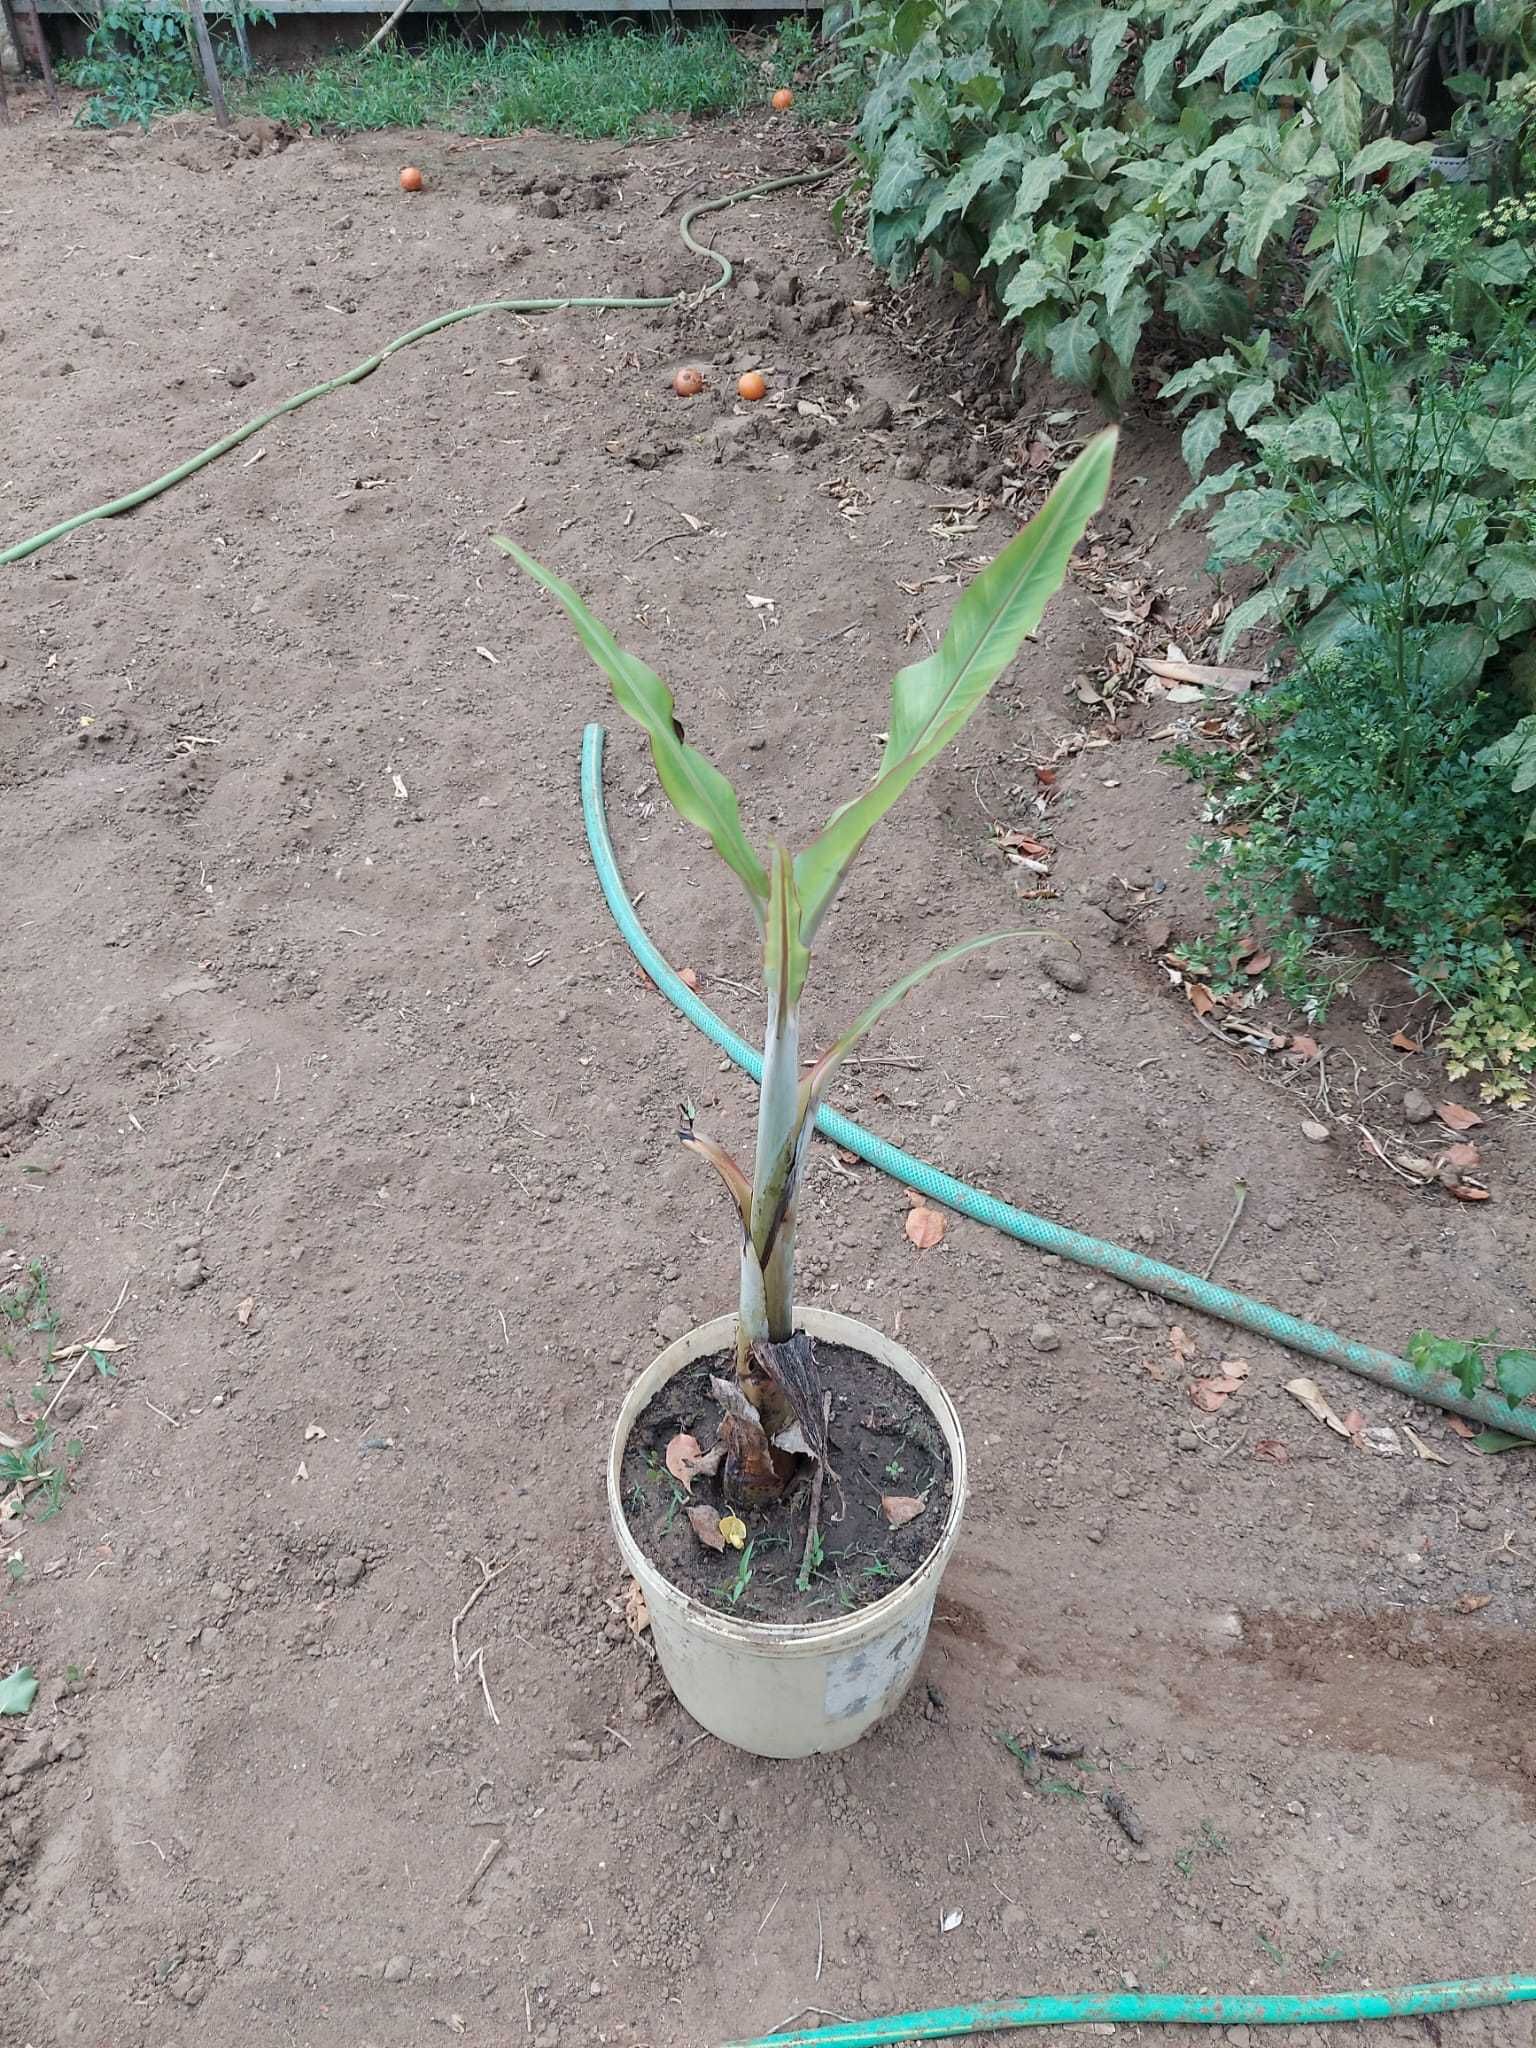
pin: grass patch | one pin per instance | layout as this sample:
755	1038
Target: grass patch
598	82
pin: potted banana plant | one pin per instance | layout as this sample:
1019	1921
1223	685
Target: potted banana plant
786	1484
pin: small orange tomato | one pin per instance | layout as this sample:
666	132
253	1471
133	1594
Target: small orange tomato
752	386
689	382
783	100
410	179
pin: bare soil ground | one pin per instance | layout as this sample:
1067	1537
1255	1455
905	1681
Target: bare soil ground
313	1011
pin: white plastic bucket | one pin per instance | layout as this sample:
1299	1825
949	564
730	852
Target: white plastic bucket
790	1688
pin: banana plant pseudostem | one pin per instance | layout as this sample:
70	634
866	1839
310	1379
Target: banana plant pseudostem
931	701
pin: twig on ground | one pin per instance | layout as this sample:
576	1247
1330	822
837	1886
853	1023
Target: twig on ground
489	1576
528	2010
820	1949
823	2012
492	1850
85	1351
164	1417
1226	1235
224	1176
609	1729
478	1660
783	1888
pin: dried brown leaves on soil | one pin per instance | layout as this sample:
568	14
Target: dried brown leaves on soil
899	1509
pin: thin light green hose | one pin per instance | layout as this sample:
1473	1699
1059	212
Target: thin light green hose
1134	1268
1130	2008
20	549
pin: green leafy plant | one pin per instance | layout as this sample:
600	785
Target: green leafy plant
1492	1033
1360	809
1514	1372
735	1589
1097	168
1399	495
778	1390
140	60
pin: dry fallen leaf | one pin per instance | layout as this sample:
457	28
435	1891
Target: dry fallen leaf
1213	1393
1404	1043
1422	1449
1303	1047
636	1613
706	1526
1259	963
1313	1399
1233	682
1465	1192
728	1393
1473	1603
1463	1157
734	1530
925	1227
1271	1448
1455	1118
1202	999
245	1311
1183	1346
688	978
1460	1426
687	1462
899	1509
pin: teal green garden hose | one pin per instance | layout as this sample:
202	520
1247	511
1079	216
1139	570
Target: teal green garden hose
1145	2008
1134	1268
20	549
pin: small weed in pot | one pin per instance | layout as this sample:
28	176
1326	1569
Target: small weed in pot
772	1417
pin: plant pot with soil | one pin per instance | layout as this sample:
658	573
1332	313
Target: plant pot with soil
786	1485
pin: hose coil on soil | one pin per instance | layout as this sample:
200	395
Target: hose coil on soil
19	550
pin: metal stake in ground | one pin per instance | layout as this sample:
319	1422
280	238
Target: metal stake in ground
211	77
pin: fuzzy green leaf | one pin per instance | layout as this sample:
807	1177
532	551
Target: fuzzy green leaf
18	1691
1242	48
1370	65
999	155
699	793
1074	346
1202	437
1126	325
1253	396
1339	112
1106	51
1516	752
1509	572
1127	246
1432	1354
1267	204
933	700
1379	155
1204	302
903	168
1515	1372
1018	232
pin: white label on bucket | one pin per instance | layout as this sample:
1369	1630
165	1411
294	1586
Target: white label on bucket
864	1680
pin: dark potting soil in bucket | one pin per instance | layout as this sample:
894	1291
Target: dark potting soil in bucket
885	1447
